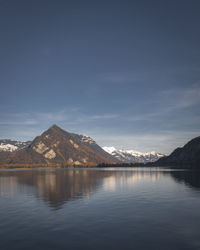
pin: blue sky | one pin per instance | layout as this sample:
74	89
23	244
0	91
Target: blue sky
127	73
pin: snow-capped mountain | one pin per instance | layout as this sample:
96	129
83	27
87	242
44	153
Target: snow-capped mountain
11	146
132	155
85	139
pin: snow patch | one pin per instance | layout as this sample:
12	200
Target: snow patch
109	150
87	139
8	147
133	155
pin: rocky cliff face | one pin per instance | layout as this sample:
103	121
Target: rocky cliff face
56	146
189	155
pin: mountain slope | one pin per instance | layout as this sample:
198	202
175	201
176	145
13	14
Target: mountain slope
56	146
132	156
189	155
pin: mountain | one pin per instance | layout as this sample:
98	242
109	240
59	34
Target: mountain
188	155
130	156
56	146
11	146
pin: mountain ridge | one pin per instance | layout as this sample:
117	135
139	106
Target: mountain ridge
57	146
133	156
12	145
188	155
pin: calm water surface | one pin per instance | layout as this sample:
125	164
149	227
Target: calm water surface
99	209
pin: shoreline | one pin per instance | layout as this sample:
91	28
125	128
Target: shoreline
103	165
45	166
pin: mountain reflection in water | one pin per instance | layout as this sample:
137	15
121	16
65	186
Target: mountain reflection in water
58	186
188	177
53	186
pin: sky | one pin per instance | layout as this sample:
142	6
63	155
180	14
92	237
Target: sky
126	73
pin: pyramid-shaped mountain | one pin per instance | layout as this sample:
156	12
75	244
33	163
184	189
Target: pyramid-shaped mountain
56	146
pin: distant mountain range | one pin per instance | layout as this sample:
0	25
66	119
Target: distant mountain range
128	156
132	156
55	146
11	146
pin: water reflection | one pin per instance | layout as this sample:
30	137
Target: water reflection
189	178
53	186
57	187
131	177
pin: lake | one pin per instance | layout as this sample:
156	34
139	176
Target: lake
122	208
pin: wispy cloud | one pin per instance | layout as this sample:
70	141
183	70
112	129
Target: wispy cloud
159	128
127	77
170	102
65	116
181	98
89	118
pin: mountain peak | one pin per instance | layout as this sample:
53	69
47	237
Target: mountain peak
54	126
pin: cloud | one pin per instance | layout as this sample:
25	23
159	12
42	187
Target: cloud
122	78
33	118
89	118
169	122
171	102
44	119
181	98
